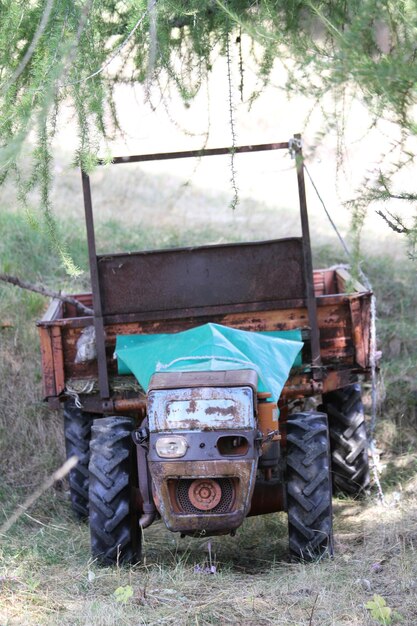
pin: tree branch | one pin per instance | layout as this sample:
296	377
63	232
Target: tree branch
44	291
29	52
394	222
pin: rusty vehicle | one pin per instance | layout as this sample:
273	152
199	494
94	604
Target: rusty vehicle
204	450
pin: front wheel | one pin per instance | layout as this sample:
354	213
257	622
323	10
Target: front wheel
114	526
309	488
348	440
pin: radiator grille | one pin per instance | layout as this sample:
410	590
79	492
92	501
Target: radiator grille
224	506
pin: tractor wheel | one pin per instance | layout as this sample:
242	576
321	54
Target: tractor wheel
114	525
309	488
77	431
348	440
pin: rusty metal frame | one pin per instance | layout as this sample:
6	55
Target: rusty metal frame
308	264
295	145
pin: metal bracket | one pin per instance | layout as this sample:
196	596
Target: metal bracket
141	435
295	145
274	435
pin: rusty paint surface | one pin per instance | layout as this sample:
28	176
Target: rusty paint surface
268	497
165	473
360	315
209	445
201	408
57	349
226	378
192	279
268	418
343	322
334	321
337	379
48	364
204	493
122	405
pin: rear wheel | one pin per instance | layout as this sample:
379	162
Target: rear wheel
114	526
348	440
77	431
309	490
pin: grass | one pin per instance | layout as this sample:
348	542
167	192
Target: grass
47	577
46	573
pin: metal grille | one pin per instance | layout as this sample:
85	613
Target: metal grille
224	506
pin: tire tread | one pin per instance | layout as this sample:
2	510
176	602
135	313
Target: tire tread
348	440
77	432
309	493
113	521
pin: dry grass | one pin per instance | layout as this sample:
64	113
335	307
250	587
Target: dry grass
47	577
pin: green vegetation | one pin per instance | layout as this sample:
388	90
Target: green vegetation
46	574
74	53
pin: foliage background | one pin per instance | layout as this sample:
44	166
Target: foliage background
55	53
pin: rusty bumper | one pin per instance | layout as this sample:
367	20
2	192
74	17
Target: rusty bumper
181	486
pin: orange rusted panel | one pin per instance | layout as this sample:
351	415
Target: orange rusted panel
58	357
360	315
47	359
268	418
343	322
268	497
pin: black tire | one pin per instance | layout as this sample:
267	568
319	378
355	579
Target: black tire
348	440
77	431
114	525
309	487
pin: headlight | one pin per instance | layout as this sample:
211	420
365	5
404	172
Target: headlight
172	447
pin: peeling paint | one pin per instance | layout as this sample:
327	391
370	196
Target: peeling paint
201	408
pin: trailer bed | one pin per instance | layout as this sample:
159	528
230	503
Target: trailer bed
343	322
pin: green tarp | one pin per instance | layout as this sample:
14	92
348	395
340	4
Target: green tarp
212	347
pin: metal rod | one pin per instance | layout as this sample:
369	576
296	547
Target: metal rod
163	156
308	262
103	377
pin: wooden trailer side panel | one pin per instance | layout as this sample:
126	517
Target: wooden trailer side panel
343	324
343	321
48	363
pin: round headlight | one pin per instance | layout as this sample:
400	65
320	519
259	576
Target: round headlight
173	447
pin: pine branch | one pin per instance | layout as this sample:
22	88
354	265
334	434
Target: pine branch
29	52
394	222
48	293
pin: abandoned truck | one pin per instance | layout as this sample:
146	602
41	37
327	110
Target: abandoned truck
205	418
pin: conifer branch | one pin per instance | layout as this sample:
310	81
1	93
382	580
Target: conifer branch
29	52
118	49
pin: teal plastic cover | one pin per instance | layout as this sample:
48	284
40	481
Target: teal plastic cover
212	347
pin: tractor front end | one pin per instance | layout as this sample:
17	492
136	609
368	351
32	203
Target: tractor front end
202	450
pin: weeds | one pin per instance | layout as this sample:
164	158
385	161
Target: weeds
382	613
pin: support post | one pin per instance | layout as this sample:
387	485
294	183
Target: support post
103	378
308	261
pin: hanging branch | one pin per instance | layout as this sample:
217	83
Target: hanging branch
235	199
29	52
119	48
241	68
152	44
48	293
